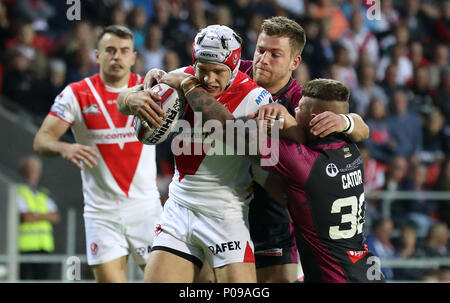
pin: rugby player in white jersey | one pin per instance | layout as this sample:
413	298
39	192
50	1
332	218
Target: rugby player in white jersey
121	200
205	218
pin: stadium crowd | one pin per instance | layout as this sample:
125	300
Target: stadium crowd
397	68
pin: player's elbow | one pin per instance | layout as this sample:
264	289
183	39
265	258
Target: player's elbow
37	146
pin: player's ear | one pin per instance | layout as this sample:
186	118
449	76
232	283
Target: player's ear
296	62
97	54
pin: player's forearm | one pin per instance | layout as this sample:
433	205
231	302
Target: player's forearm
47	145
122	100
201	101
360	131
32	217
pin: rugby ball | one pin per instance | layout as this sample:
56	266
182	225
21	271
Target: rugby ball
173	106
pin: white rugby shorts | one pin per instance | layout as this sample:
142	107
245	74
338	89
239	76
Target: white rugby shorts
197	237
109	238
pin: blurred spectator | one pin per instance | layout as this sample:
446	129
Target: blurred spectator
24	42
379	243
251	35
438	64
153	51
399	36
348	7
222	16
197	14
328	9
389	83
295	8
408	248
137	21
358	39
436	241
147	6
342	69
433	138
37	214
118	16
319	51
37	11
139	65
241	19
367	90
396	173
442	98
171	61
414	19
405	128
81	34
374	171
442	25
379	142
21	81
443	184
301	74
397	57
422	96
82	65
47	89
416	55
398	168
389	17
420	210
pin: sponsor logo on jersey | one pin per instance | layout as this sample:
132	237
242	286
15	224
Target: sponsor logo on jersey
332	170
109	102
91	109
261	96
356	255
347	153
352	166
58	109
94	248
222	247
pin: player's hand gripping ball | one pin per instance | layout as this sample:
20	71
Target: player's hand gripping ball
172	104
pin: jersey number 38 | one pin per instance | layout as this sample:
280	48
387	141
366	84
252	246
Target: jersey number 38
354	217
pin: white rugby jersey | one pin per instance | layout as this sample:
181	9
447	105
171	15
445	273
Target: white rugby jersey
218	185
125	175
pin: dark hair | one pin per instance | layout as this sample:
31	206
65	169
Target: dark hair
326	90
285	27
118	30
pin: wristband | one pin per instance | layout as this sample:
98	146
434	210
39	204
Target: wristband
186	80
189	84
192	88
350	124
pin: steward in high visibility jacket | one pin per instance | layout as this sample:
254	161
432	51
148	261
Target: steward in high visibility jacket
37	212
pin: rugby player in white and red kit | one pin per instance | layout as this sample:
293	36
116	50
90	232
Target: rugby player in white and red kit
121	200
205	218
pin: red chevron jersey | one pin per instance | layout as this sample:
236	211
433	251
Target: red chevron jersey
214	184
125	176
